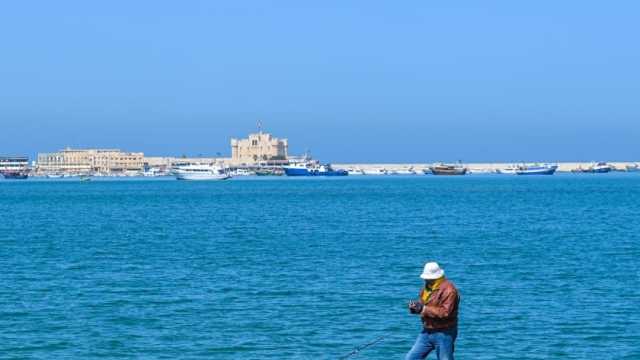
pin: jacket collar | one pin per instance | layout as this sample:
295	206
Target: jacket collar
436	284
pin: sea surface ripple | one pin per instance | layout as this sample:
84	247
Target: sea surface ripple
548	267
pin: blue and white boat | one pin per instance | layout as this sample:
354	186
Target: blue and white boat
312	169
545	169
601	167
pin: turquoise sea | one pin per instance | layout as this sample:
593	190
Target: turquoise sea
281	268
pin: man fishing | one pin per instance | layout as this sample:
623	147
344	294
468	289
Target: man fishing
438	309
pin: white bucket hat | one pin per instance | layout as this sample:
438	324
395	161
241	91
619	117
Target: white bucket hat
432	271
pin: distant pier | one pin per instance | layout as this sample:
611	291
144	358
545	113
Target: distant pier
479	167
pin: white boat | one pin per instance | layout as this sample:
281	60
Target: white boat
354	172
200	172
154	172
243	172
375	172
408	171
55	176
481	171
510	170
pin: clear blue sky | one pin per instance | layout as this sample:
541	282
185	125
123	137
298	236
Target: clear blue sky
362	81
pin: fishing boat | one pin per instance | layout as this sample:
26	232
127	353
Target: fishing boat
312	169
545	169
448	169
200	172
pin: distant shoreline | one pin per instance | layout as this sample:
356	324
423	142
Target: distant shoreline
484	166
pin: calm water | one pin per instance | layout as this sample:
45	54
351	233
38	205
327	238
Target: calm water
548	267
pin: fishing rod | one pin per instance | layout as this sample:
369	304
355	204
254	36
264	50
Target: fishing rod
362	347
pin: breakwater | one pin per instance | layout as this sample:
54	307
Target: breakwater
478	167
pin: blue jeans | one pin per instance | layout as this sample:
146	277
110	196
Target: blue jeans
442	341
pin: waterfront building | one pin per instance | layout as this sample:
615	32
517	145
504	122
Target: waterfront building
259	148
90	161
11	164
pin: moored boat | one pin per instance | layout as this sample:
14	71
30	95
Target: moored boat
377	171
15	175
601	167
200	172
312	169
355	172
271	171
14	167
243	172
448	169
597	168
510	170
408	171
545	169
632	168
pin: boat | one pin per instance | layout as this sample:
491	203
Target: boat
632	168
408	171
601	167
14	164
15	175
243	172
84	178
509	170
545	169
355	172
377	171
155	172
200	172
272	171
55	176
447	169
312	169
597	168
427	171
481	171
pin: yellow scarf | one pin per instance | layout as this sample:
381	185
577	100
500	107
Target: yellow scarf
426	293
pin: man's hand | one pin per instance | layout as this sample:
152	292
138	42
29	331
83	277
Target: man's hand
415	307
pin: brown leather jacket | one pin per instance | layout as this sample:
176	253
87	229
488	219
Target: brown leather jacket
441	310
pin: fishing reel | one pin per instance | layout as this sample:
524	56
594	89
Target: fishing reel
415	307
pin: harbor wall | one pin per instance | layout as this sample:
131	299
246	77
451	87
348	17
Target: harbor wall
477	167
